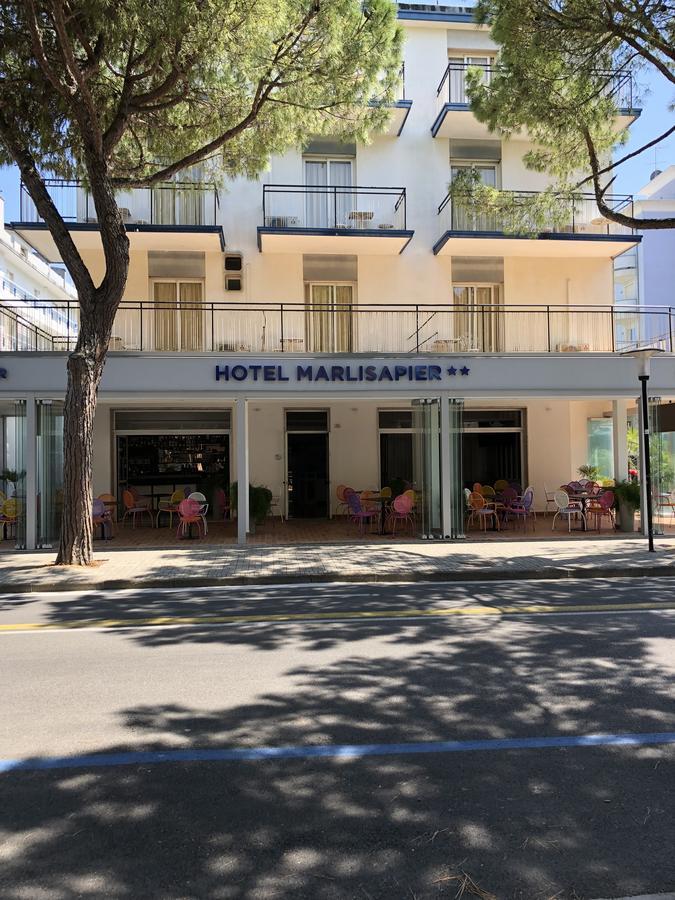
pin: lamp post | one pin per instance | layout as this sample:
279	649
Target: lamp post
644	357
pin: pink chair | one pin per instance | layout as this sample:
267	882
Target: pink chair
601	507
401	511
189	514
357	513
221	503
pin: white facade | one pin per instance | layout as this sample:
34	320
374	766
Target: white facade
351	241
656	259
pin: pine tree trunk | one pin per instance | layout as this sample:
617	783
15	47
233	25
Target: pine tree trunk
84	375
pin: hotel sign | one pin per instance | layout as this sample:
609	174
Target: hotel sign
313	373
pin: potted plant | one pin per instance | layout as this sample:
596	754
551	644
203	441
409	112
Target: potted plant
590	472
627	501
259	503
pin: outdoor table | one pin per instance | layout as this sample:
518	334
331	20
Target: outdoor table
584	497
383	502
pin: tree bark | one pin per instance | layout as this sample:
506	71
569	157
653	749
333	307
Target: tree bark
84	375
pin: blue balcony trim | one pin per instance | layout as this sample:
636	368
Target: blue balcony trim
338	232
407	106
630	112
543	236
425	15
447	107
130	227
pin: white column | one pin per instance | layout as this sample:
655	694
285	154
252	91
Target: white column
446	470
30	451
241	406
620	438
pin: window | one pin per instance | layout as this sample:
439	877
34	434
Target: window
601	446
329	323
459	63
179	314
479	325
325	208
307	420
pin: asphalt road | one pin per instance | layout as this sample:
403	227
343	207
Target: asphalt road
435	737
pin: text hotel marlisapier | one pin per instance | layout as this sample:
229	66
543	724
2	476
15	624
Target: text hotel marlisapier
348	373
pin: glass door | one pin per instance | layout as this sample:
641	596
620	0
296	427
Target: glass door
479	324
326	208
329	321
427	466
179	315
49	482
459	65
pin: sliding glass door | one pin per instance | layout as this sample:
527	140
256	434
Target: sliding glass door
328	321
479	323
179	315
325	208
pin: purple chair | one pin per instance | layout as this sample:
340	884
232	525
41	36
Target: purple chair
357	513
601	507
522	509
101	516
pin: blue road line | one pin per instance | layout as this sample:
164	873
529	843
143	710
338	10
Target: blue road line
328	751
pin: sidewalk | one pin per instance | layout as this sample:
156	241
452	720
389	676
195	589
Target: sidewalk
406	561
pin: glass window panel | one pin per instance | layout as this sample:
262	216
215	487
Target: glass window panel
307	420
493	418
395	418
601	446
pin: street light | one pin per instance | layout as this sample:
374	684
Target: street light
644	357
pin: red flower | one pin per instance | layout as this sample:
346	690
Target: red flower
632	472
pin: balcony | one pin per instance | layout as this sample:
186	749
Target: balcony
399	109
176	215
331	219
576	229
454	118
299	328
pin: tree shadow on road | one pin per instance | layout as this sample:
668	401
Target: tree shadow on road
565	823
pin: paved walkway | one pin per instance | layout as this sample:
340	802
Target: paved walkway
405	561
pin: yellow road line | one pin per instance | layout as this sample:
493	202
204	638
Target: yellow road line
159	621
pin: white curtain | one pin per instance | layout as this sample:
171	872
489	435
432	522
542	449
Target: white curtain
341	177
316	202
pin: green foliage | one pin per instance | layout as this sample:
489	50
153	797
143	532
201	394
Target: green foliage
259	501
156	83
12	476
482	207
556	79
590	472
659	455
627	493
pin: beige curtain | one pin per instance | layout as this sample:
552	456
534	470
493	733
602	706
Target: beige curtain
165	295
328	323
344	324
479	325
191	316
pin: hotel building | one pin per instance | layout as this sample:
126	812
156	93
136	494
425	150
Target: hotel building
341	321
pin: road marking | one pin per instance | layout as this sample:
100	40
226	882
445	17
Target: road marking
329	751
335	616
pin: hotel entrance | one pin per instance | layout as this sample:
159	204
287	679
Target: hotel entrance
307	479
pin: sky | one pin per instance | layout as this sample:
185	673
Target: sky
655	94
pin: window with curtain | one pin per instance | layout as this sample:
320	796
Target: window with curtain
325	208
479	323
179	315
329	322
460	63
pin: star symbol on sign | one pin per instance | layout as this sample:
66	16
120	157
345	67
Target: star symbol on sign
464	370
452	370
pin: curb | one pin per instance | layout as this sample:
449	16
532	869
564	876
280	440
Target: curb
548	573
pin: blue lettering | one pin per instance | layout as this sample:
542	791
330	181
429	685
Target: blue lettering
321	374
337	373
239	373
385	374
254	371
270	373
350	377
3	373
435	373
281	377
420	373
399	371
371	373
304	372
221	372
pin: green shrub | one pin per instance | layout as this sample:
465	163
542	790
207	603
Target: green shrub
627	493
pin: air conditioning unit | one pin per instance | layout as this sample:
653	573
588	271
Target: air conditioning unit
234	272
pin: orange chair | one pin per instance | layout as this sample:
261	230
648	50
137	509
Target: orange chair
131	508
481	510
9	513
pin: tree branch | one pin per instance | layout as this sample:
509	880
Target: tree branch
628	156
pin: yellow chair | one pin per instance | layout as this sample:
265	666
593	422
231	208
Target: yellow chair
501	484
170	506
487	491
9	513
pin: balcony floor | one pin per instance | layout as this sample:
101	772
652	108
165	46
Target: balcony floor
549	245
352	241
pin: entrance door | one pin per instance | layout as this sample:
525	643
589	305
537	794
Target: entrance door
179	315
307	481
328	200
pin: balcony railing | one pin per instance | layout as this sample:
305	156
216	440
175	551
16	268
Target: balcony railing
452	88
352	328
579	215
292	206
175	203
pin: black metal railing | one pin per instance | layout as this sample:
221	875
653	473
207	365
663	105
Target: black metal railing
174	203
290	206
235	327
619	84
565	215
